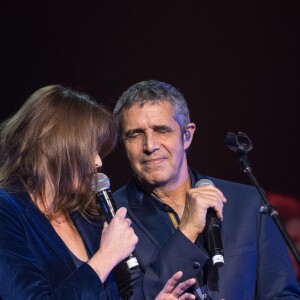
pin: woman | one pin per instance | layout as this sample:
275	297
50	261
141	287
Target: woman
50	224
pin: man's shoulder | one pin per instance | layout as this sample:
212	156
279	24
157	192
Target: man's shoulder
120	196
231	189
129	195
238	195
120	192
231	184
222	183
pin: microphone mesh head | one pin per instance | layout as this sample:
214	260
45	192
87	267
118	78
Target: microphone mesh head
203	182
100	182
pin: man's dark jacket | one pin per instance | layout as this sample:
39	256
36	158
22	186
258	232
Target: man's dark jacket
257	265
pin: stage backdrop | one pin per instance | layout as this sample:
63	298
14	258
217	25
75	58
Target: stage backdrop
237	63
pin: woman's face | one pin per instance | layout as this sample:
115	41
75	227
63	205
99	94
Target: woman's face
98	164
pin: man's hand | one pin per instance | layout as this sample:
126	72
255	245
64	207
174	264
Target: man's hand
197	202
170	292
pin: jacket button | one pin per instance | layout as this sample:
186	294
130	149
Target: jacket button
197	265
166	208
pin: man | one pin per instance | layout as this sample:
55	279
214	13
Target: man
169	214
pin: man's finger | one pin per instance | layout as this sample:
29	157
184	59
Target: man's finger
171	283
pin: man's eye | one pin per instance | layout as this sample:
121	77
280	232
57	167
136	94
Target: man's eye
163	130
132	135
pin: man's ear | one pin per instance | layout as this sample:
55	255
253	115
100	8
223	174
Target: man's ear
188	135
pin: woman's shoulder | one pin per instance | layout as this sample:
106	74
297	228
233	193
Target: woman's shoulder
11	200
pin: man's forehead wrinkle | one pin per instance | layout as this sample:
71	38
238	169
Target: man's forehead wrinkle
153	118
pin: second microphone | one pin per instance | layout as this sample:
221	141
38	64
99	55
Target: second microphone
213	232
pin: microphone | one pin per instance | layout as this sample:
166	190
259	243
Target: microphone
213	232
101	185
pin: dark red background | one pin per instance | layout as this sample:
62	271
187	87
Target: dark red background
236	62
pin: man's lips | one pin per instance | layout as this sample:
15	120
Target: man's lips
153	161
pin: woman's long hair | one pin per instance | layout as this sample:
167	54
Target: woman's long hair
54	138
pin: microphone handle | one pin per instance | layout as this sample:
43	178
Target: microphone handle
212	232
108	207
214	240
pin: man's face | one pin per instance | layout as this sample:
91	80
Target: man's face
154	144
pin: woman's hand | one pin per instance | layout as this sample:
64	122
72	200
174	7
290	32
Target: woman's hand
118	241
170	292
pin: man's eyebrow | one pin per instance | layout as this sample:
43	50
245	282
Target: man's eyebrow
162	127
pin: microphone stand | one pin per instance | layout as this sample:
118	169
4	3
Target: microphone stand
241	145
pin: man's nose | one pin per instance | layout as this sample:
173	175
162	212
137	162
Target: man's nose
151	142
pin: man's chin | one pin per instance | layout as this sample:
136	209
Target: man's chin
155	180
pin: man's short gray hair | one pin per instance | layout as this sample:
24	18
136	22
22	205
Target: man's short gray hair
153	91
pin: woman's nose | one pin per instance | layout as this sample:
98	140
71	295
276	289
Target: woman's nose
98	161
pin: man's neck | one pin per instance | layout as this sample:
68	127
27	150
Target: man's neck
174	196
